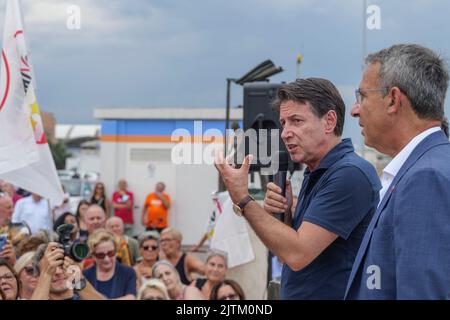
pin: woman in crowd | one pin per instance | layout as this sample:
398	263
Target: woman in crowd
83	205
9	283
99	197
107	275
165	271
67	218
149	249
215	271
184	263
227	290
153	289
28	275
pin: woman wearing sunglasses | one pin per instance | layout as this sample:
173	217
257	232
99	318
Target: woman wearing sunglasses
149	250
28	275
227	290
107	275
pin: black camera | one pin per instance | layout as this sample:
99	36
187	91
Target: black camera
76	250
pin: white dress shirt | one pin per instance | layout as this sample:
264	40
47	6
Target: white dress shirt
391	170
35	214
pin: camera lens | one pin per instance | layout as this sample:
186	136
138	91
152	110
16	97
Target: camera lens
79	251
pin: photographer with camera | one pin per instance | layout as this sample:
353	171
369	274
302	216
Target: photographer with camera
60	278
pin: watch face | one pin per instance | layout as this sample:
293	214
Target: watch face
237	210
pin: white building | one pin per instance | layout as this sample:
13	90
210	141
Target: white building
138	145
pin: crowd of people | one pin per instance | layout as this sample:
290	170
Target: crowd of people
99	258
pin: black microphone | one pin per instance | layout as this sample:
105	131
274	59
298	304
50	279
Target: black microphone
282	160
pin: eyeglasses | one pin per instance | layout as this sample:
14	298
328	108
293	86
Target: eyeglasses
102	255
152	298
31	271
232	296
166	240
7	277
149	248
360	92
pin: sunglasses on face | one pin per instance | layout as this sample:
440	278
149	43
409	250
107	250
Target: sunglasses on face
32	272
149	248
232	296
102	255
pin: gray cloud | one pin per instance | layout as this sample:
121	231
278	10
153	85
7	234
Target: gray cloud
178	53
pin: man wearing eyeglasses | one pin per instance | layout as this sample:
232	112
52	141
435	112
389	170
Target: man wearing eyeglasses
336	202
405	253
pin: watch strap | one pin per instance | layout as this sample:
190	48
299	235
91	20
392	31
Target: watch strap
245	201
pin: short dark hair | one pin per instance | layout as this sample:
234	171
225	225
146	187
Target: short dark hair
322	95
227	282
60	220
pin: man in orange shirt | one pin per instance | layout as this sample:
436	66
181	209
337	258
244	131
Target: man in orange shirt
156	209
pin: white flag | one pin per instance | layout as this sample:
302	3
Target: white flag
25	158
231	234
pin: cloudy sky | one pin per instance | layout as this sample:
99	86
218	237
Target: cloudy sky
178	53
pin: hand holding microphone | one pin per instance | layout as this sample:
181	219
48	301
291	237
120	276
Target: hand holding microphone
275	202
278	200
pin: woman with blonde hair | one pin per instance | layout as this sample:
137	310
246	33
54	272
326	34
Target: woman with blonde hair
28	275
107	275
153	289
165	271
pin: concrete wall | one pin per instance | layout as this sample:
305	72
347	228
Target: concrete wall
143	165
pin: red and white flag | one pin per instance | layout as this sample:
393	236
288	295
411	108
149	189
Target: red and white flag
25	158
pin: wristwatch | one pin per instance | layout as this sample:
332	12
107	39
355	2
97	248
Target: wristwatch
238	208
80	285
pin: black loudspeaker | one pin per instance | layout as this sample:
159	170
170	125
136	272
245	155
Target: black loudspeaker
262	129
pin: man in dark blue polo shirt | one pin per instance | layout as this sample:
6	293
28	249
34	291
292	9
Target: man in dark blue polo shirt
337	200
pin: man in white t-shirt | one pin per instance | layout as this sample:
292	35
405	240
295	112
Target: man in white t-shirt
34	210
